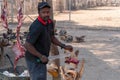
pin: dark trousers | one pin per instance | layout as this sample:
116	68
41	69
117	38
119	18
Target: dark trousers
38	71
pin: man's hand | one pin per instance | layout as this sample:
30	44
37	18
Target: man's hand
44	59
68	47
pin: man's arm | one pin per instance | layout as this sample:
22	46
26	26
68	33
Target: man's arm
32	50
58	43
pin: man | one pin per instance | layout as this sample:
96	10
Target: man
40	36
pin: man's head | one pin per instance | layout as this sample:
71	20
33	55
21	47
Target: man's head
44	10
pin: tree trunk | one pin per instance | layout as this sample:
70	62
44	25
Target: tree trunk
50	2
54	49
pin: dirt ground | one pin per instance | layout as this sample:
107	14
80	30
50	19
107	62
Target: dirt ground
100	50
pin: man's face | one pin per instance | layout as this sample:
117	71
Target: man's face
45	13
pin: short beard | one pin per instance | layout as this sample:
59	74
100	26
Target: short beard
46	18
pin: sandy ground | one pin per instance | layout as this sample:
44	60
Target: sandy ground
100	50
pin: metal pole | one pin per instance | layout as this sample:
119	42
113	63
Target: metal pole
69	10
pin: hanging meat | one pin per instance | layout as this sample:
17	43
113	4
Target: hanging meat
18	48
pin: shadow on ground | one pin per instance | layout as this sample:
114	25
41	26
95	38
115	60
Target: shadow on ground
73	25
